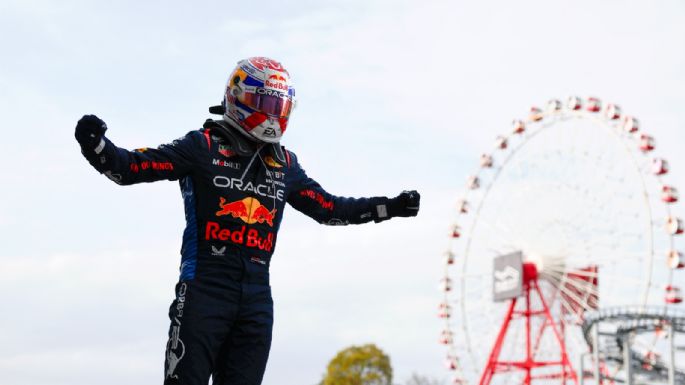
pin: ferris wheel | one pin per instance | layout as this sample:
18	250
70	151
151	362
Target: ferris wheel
569	212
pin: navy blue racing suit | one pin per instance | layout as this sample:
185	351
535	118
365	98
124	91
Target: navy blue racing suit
221	319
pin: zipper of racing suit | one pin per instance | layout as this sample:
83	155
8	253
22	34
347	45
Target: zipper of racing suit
255	181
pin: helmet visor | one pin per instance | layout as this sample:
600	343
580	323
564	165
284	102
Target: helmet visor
268	102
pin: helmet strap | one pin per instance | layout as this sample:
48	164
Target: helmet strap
277	152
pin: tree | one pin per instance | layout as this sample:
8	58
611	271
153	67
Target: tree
359	365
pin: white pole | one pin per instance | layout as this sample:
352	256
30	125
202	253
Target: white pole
595	352
627	359
671	367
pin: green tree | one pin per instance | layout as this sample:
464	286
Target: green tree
359	365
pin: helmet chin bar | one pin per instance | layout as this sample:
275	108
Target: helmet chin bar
242	149
221	110
228	119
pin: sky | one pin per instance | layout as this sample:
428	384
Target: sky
393	95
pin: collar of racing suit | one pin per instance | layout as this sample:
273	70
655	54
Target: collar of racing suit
242	145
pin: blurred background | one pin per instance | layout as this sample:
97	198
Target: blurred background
393	95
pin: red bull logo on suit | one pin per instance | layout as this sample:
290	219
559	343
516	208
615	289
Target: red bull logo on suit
241	236
249	209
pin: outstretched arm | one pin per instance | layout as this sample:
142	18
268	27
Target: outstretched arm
308	197
170	161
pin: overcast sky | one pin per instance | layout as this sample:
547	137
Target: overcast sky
393	95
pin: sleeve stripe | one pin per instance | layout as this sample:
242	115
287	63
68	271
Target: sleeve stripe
100	146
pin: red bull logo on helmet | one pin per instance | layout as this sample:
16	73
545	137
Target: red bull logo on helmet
277	82
249	210
278	78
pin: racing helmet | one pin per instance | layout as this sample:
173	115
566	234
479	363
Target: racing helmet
258	99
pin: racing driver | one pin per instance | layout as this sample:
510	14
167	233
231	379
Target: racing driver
235	179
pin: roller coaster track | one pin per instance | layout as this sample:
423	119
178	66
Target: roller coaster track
620	322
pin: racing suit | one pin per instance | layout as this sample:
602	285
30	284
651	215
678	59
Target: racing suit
221	319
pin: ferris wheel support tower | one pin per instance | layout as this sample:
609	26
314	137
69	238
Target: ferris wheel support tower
529	363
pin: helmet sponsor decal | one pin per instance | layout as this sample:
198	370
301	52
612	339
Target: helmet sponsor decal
277	82
269	132
273	92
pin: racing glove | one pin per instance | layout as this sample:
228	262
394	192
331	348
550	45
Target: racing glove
89	131
404	205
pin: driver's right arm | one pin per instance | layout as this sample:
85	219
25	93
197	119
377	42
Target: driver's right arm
169	161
